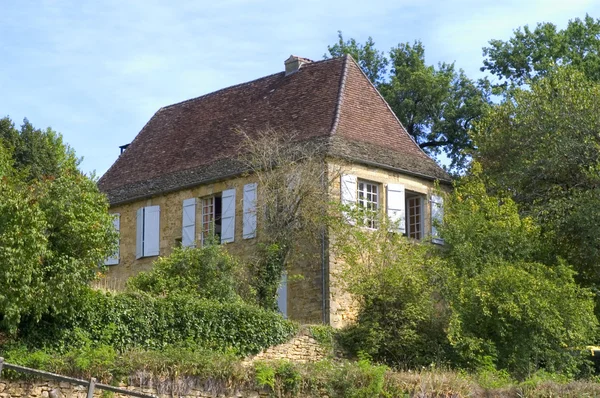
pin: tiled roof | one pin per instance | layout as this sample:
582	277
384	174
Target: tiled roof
195	141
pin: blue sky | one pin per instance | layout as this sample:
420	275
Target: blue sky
96	71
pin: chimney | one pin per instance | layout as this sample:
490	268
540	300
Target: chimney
294	63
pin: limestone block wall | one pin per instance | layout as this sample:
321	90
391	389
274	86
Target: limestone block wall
53	389
305	285
302	348
341	306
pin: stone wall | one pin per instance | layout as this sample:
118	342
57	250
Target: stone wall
315	293
342	307
305	284
302	348
53	389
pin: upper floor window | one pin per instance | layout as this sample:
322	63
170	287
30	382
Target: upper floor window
212	208
414	221
368	198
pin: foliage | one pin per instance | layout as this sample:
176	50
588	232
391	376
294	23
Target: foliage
533	54
508	311
437	106
400	320
372	61
292	203
177	369
481	230
324	335
131	320
38	153
54	225
101	361
208	272
523	317
541	146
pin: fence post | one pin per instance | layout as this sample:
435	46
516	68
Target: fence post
1	365
91	387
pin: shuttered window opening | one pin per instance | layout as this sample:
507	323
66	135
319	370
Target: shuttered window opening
211	219
114	258
147	232
282	295
368	199
218	217
249	219
415	215
188	229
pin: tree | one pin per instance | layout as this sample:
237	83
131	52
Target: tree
532	54
437	106
292	202
541	145
508	308
54	225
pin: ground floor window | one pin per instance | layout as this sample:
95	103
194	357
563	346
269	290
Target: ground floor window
211	218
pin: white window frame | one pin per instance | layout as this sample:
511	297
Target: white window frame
415	229
368	197
207	224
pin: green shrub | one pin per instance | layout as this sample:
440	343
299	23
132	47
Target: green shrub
208	272
400	320
131	320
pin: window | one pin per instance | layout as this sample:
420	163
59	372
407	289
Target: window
147	232
414	220
211	218
218	216
368	199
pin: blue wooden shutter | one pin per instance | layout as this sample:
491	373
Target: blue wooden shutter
139	233
114	258
188	230
151	231
228	215
396	206
282	295
249	219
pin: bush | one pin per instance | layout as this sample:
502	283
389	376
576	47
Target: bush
400	320
522	317
131	320
208	272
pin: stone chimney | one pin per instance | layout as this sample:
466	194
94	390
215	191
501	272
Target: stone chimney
294	63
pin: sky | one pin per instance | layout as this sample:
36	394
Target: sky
96	71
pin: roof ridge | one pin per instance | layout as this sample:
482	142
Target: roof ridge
340	99
390	108
242	84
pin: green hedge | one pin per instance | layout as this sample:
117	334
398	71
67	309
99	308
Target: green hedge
129	320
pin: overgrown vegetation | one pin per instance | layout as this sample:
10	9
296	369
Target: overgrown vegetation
54	225
509	296
292	203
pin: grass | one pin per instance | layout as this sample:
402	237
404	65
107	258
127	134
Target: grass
178	370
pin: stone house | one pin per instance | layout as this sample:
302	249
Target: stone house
181	173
